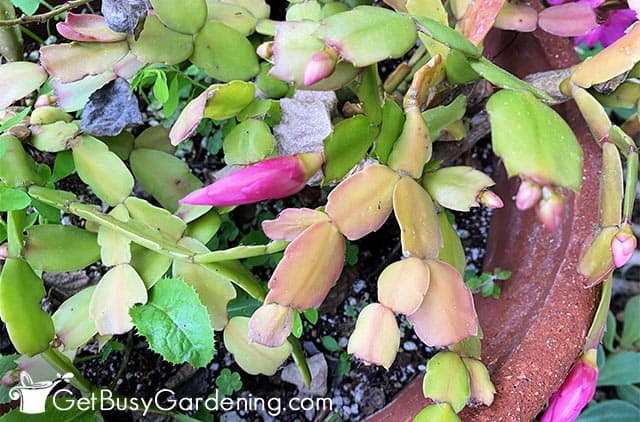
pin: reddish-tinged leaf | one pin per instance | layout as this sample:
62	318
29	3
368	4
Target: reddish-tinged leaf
568	20
376	338
17	80
402	285
361	203
190	117
72	62
128	66
311	265
86	27
479	18
73	96
291	222
419	227
447	314
270	325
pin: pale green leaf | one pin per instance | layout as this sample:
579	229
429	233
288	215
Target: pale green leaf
347	145
533	140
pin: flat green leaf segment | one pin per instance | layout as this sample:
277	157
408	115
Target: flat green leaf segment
446	35
354	33
533	140
176	323
500	77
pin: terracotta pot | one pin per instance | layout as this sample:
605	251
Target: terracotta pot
535	330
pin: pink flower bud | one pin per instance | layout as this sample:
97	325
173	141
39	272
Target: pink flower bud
265	50
528	195
490	199
549	209
4	251
319	67
269	179
45	100
622	246
577	390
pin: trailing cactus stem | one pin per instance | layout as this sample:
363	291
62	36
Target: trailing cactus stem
631	184
240	252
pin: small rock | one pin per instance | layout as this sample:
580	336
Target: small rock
368	399
409	346
319	371
359	285
231	417
305	123
464	234
110	109
124	15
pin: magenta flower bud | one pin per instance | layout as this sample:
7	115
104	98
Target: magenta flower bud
272	178
622	246
549	209
528	195
577	390
490	199
319	66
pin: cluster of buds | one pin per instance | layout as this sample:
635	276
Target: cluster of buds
547	200
614	244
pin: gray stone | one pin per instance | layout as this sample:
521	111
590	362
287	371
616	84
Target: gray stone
305	123
124	15
319	371
110	109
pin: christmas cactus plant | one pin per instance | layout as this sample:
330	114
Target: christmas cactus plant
226	66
